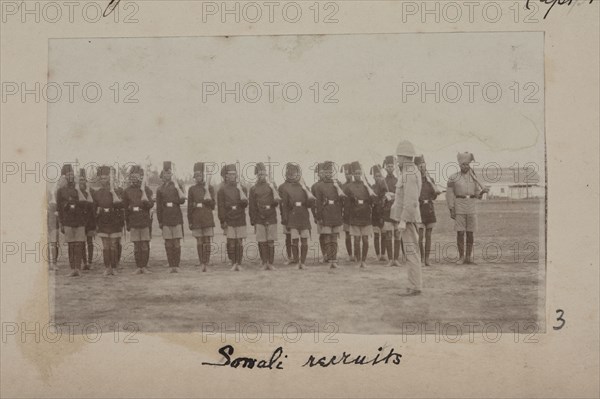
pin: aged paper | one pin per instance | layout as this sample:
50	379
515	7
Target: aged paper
305	139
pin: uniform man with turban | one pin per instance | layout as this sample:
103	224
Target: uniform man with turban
360	202
346	211
296	200
462	194
263	215
377	215
137	203
386	189
405	210
232	202
329	200
201	203
108	219
72	208
169	198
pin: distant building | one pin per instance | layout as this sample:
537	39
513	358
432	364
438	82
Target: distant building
511	183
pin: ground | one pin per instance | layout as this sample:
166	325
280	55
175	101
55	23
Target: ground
507	286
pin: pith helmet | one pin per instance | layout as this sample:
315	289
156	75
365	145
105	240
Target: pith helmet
406	148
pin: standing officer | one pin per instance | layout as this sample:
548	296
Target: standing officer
232	201
264	198
108	219
201	204
405	211
169	198
429	193
462	193
137	202
72	216
329	201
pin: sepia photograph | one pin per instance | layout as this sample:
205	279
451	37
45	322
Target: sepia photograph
364	184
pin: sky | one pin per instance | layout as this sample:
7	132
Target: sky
362	108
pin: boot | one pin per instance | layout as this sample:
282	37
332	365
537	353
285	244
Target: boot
397	247
357	255
271	246
469	258
303	251
90	251
200	250
262	254
295	252
349	247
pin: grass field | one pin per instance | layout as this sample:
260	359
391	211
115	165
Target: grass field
506	287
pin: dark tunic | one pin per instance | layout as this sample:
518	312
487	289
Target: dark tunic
294	207
137	212
262	204
426	201
359	203
231	207
200	210
90	212
108	214
71	211
329	204
168	210
346	204
386	185
377	210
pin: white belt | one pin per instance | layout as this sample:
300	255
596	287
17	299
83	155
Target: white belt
267	206
199	205
298	204
169	205
72	206
330	202
360	202
136	208
234	207
106	210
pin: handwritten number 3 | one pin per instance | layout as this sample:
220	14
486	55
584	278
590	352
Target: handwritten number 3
560	318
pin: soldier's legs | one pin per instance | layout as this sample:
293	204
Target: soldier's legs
177	251
119	251
271	249
303	250
106	252
200	249
231	250
427	245
288	245
388	246
365	248
422	243
357	254
460	242
137	254
90	249
397	244
413	257
295	250
52	254
469	258
206	250
376	244
239	250
114	252
145	253
322	246
169	251
263	252
349	244
331	244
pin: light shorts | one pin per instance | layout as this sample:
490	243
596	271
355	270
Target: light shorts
204	232
236	232
299	233
139	234
426	226
172	232
346	227
266	232
390	226
75	234
53	236
110	235
376	230
465	222
331	229
357	231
